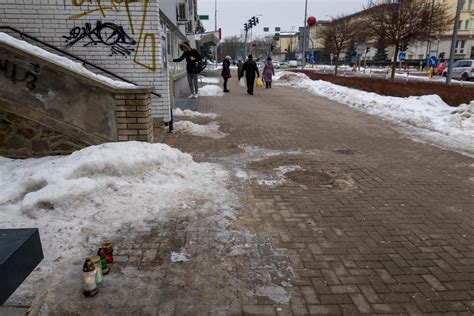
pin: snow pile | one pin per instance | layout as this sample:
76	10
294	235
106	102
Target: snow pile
209	80
209	130
436	119
61	61
190	113
80	200
211	90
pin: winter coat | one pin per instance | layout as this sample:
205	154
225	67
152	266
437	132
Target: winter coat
190	64
225	69
239	69
250	68
268	71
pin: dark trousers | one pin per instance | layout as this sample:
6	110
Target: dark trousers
225	83
269	84
250	84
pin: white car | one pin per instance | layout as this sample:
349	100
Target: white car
463	69
293	63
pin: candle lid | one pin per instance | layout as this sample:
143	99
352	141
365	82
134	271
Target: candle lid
95	259
88	266
107	245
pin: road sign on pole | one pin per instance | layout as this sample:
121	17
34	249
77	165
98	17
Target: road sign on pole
203	17
402	56
433	61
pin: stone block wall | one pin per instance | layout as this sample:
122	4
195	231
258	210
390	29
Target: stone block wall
124	37
23	138
134	119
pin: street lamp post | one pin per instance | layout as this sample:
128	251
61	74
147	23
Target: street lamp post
454	39
215	30
303	64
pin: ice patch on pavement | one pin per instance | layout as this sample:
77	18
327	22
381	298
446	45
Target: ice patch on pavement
211	90
79	200
282	170
429	114
274	292
190	113
181	256
210	130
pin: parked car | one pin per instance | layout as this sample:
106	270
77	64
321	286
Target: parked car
441	69
276	64
463	69
293	63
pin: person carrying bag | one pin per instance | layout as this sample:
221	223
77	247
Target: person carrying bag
250	69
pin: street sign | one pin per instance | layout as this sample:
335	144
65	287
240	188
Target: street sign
203	17
433	61
402	56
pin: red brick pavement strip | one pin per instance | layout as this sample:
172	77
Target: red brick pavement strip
393	233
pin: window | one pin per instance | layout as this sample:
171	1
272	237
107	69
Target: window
466	25
182	11
460	47
467	5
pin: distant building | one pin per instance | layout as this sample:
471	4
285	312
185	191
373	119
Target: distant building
287	46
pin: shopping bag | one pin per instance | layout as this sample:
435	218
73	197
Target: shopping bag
259	82
242	82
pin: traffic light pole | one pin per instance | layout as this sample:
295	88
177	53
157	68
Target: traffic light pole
454	39
303	64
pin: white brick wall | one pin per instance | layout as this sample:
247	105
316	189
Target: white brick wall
51	20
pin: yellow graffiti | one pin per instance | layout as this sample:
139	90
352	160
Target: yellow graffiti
145	40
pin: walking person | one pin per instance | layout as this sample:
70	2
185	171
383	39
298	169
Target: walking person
240	64
250	68
268	73
192	57
226	72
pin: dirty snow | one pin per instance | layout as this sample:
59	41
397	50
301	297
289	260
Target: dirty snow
209	80
211	90
210	130
190	113
80	200
62	61
429	116
181	256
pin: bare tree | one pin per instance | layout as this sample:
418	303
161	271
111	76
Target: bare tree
337	35
401	22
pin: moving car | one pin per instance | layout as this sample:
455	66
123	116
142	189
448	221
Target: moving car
463	70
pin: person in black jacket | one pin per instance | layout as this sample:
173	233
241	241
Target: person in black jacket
192	57
226	72
250	68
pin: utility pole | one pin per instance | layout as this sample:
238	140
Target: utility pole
215	30
428	45
304	35
454	39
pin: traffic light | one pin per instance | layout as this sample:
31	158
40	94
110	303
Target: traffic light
441	55
246	29
403	47
254	21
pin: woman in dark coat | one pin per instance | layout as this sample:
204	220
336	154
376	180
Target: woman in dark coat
226	72
250	68
192	57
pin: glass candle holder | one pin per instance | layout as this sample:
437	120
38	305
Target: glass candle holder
103	260
89	283
109	251
98	267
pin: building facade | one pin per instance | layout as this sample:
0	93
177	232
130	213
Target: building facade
134	40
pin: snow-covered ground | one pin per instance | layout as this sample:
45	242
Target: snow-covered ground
190	113
80	200
209	130
211	90
61	61
428	116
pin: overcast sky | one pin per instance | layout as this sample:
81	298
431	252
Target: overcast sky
287	14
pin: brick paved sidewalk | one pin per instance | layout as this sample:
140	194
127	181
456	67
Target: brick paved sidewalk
372	221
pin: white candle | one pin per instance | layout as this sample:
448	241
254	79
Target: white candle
90	283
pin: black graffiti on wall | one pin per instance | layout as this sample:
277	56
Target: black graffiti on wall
18	73
109	34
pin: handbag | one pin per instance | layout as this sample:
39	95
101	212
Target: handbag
259	82
199	66
242	82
